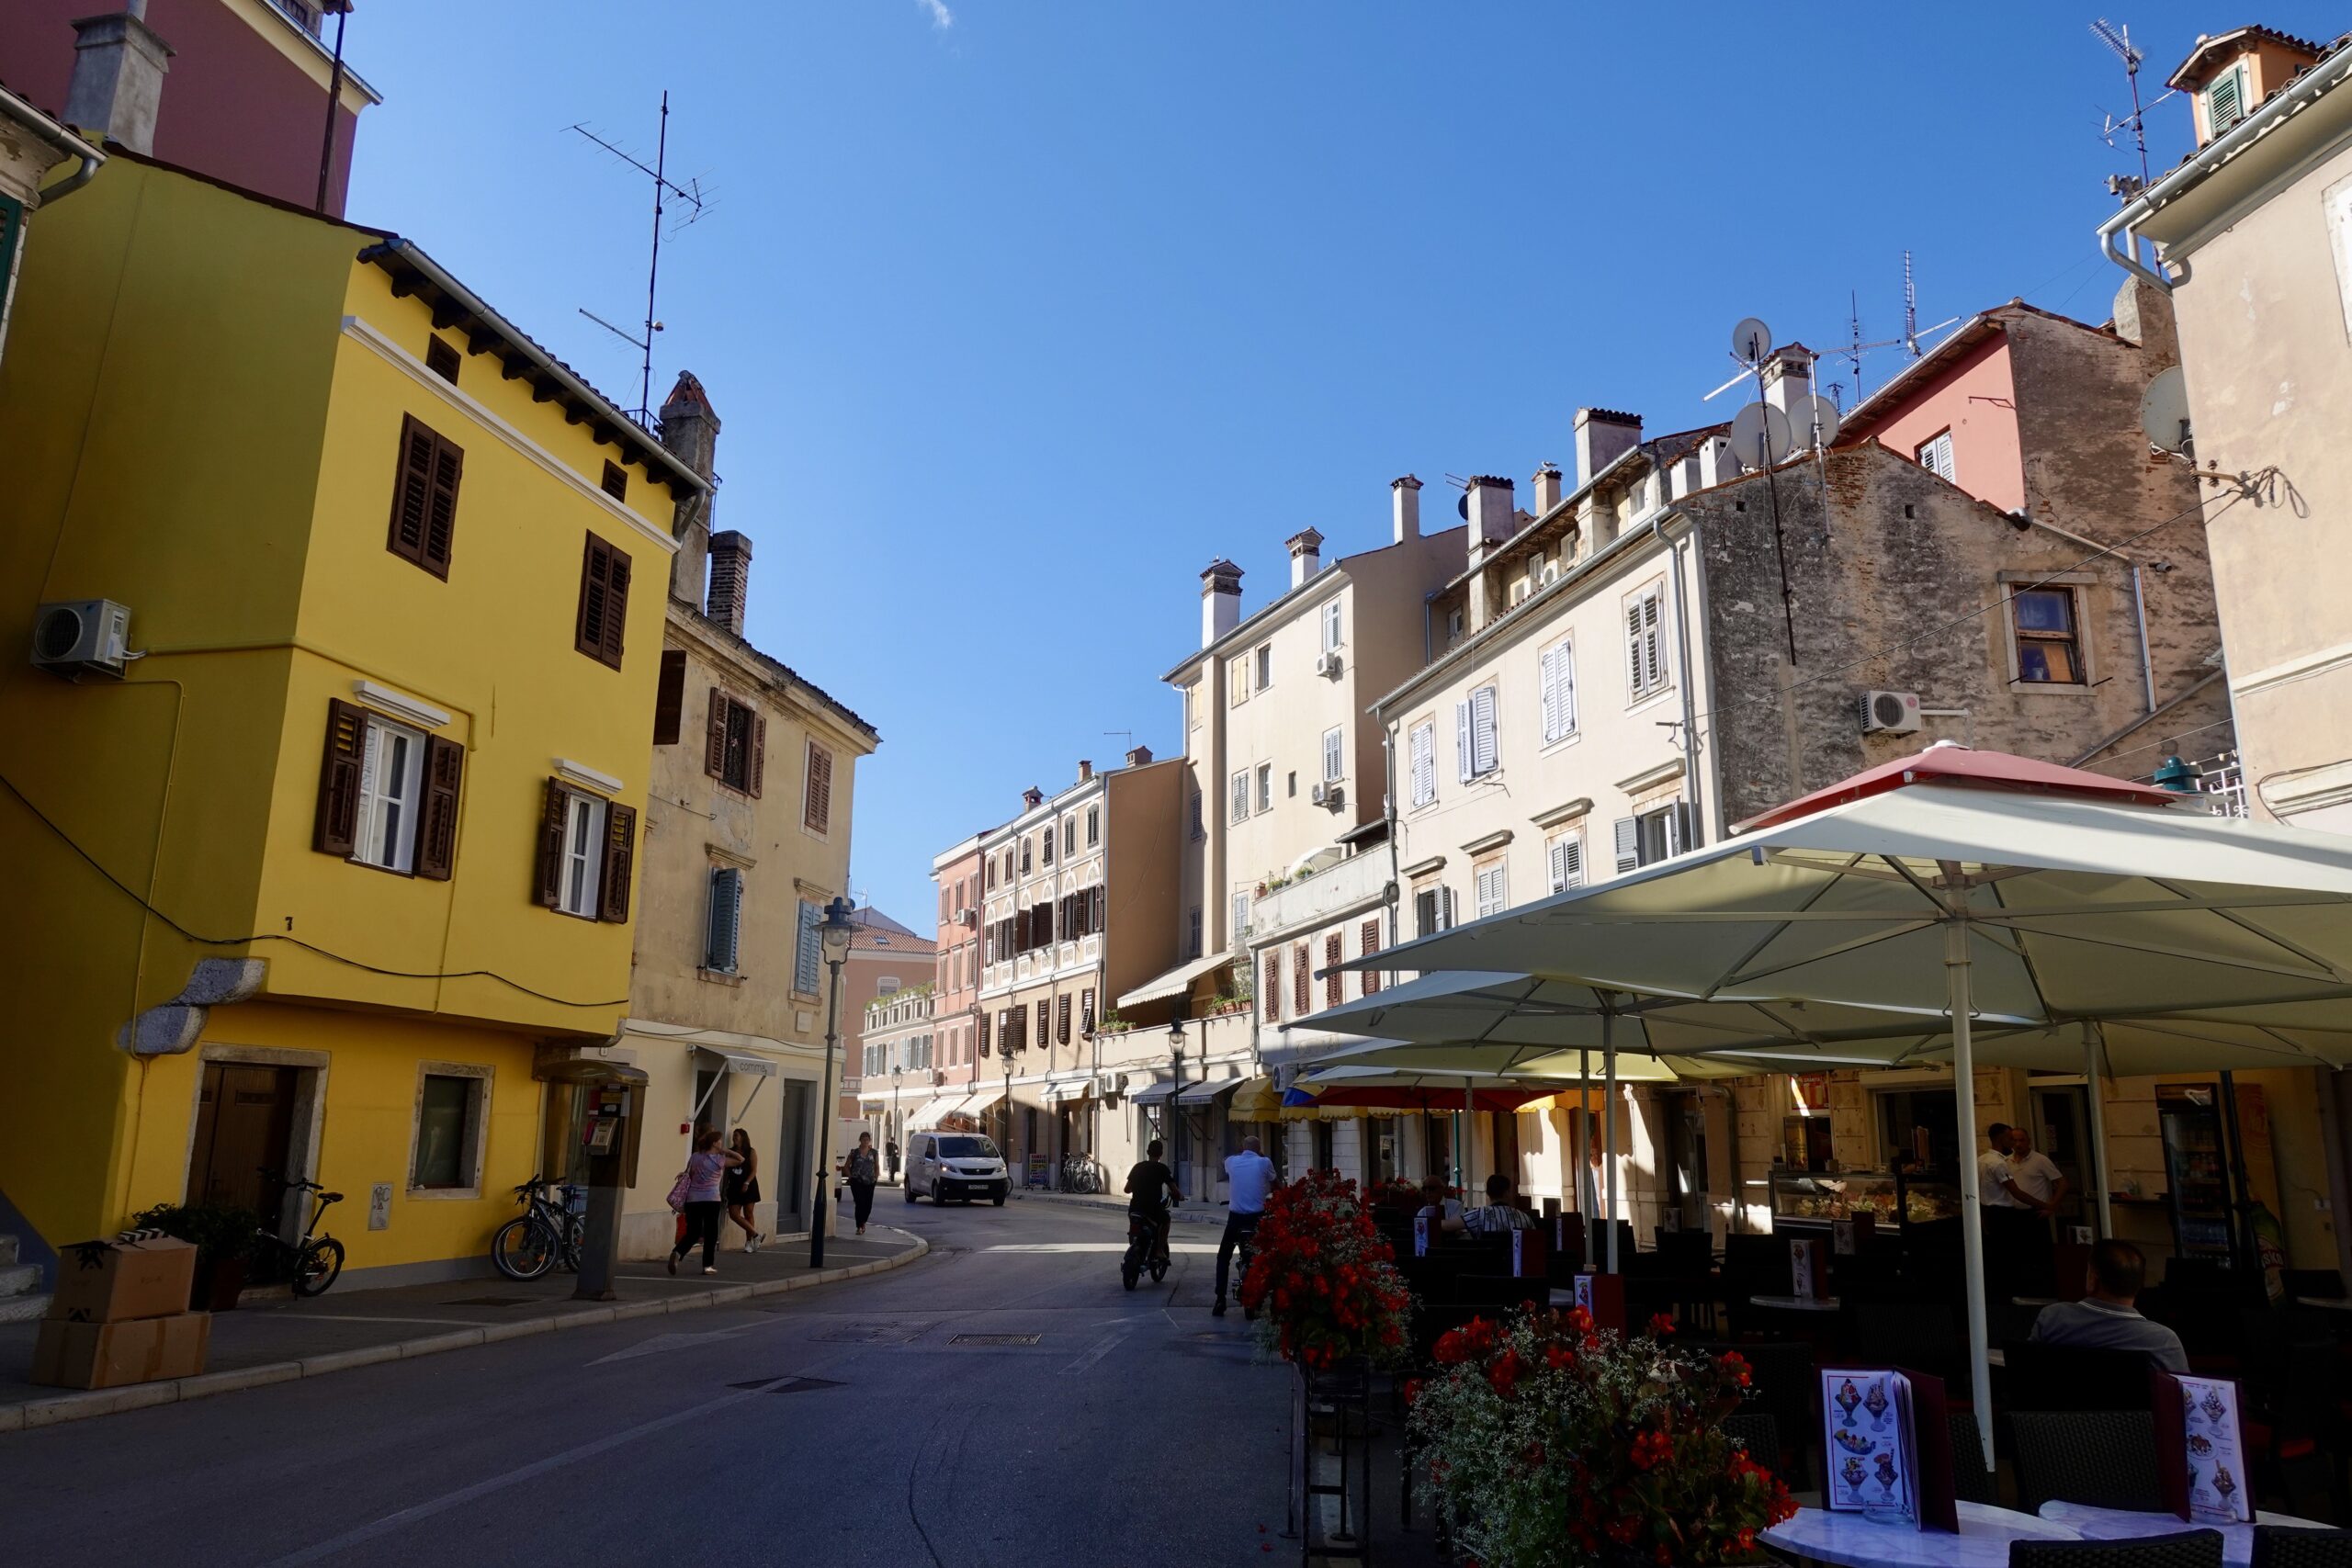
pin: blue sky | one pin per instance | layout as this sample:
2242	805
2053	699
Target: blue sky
1018	313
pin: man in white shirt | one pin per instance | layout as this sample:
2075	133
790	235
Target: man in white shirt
2040	1187
1993	1189
1250	1176
1500	1216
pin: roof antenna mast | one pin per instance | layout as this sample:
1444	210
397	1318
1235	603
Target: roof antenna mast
1910	309
2124	187
690	196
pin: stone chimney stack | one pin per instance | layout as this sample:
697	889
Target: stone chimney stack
1716	463
1305	555
1603	435
1788	385
730	579
1220	600
1547	489
117	81
1031	798
1405	504
1487	508
690	432
1138	756
1085	770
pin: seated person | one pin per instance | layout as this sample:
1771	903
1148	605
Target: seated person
1436	1207
2107	1319
1500	1215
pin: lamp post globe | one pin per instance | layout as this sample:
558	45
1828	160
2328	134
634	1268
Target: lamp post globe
835	933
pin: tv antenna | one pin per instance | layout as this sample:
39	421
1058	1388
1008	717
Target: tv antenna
690	196
2124	187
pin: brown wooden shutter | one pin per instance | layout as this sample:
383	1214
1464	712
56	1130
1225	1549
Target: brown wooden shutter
337	829
441	513
603	602
1301	974
1021	929
984	1035
552	806
1061	1019
759	770
714	744
1370	945
412	491
620	861
817	815
616	623
1045	1022
1271	988
436	824
1332	956
1086	1010
670	698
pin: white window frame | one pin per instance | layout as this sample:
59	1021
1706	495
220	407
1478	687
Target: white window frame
1331	625
1556	675
1492	884
1478	735
1564	861
1334	756
392	789
1265	786
581	871
1095	826
1420	752
1933	454
1262	664
1649	667
1241	915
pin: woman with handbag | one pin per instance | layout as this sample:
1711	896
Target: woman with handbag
696	1196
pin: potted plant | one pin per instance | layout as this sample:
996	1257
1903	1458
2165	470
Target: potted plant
1552	1446
1323	1287
223	1234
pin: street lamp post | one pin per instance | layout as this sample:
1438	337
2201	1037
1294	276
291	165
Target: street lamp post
1005	1049
1176	1070
898	1071
833	934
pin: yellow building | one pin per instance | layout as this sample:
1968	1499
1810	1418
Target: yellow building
314	856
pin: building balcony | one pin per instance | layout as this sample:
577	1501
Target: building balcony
1340	888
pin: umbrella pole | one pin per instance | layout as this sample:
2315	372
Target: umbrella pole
1582	1163
2093	1038
1469	1118
1609	1124
1972	1238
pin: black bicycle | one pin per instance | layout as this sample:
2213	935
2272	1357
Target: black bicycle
547	1233
313	1264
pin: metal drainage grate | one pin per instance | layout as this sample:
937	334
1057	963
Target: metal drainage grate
789	1385
869	1333
995	1339
494	1302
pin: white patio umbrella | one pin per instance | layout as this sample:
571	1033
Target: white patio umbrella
1969	888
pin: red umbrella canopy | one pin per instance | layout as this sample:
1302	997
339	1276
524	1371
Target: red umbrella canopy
1949	763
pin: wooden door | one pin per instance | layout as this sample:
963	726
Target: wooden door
244	1120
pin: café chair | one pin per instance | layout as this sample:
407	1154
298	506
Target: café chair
2275	1546
2072	1378
1971	1482
1756	1432
2103	1459
2190	1548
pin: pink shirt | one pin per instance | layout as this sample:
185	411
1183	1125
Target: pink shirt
704	1172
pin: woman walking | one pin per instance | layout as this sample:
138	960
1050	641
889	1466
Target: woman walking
742	1190
859	1169
696	1195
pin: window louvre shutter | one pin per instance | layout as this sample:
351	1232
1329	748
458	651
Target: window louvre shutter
1484	755
1549	698
1629	845
1568	864
1445	909
424	498
441	510
1020	931
1423	745
1653	642
759	770
2223	103
1086	1010
670	698
335	830
1061	1019
1633	648
1272	988
808	952
620	861
817	815
984	1035
616	569
1300	975
1462	760
1332	956
1371	946
552	806
1045	1021
725	919
437	822
714	743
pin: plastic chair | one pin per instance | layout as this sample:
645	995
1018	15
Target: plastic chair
2275	1546
2105	1458
2190	1548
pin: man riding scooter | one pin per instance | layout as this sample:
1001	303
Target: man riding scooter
1152	1195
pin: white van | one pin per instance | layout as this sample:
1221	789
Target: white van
956	1165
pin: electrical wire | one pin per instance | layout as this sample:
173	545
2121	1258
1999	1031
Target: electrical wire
134	895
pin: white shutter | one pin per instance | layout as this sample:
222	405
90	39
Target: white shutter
1545	665
1634	649
1445	909
1465	765
1652	643
1563	676
1673	826
1493	891
1330	756
1568	864
1421	755
1484	757
1240	795
811	952
1629	845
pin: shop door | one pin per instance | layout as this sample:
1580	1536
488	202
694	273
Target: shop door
787	1179
1687	1126
2061	1117
245	1123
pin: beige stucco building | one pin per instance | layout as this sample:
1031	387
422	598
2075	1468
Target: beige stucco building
746	839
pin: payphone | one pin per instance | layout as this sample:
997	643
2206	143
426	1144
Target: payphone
603	1119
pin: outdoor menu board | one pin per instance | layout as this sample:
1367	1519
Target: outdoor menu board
1420	1235
1809	1269
1853	1235
1889	1448
1602	1295
1527	1254
2200	1450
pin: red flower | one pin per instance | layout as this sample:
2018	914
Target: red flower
1660	1324
1652	1449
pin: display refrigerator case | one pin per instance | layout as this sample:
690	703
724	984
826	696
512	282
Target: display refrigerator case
1815	1198
2197	1169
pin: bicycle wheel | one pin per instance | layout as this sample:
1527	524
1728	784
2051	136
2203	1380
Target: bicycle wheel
575	1242
317	1266
524	1249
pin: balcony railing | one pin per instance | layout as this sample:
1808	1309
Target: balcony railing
1317	900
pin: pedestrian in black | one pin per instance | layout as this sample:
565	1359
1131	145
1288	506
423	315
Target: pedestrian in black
742	1190
859	1169
890	1153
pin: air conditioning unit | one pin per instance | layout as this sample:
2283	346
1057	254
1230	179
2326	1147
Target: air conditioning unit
967	916
1890	713
1330	666
1331	795
81	637
1550	573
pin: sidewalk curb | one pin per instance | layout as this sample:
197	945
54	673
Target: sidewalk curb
1118	1205
82	1406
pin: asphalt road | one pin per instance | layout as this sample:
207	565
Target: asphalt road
999	1401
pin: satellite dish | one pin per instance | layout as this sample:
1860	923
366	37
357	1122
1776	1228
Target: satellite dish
1760	436
2163	413
1750	341
1813	421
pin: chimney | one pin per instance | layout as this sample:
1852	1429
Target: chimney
1716	465
1305	555
1031	798
690	432
1788	385
1603	435
1138	756
118	65
1085	770
730	579
1486	507
1547	489
1220	600
1405	504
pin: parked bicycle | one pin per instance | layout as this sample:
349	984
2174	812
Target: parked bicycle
311	1264
548	1233
1080	1174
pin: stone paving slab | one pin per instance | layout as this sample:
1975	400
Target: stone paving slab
275	1340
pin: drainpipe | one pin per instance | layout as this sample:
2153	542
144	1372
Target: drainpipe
2139	616
65	141
1388	813
1682	649
2124	225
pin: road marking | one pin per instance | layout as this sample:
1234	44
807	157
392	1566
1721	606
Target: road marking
662	1342
464	1495
1108	1344
1204	1248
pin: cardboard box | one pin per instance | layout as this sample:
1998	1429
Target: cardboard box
119	1281
110	1355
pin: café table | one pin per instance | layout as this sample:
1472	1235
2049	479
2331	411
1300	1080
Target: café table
2332	1304
2126	1524
1851	1540
1797	1304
